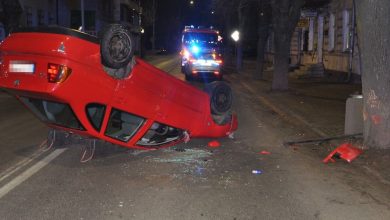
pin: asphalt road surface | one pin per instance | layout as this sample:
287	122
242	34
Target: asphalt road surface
188	181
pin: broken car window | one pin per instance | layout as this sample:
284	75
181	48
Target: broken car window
122	126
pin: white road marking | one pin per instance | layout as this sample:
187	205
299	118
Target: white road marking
19	165
29	172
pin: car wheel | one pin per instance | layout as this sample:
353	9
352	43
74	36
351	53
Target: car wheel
221	97
116	47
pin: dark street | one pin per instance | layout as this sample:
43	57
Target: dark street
195	109
187	181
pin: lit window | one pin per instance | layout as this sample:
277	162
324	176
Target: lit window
346	31
311	34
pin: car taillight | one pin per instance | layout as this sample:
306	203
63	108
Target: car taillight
219	61
57	73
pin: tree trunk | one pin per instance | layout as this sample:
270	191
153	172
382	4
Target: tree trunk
261	43
263	28
374	42
281	62
228	51
241	26
239	55
285	15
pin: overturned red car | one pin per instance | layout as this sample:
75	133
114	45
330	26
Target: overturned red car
97	88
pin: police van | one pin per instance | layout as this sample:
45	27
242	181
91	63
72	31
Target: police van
200	53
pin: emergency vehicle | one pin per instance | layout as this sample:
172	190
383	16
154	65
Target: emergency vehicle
200	53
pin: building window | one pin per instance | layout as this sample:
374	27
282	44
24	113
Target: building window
311	34
29	17
331	32
51	18
346	30
270	43
305	40
41	17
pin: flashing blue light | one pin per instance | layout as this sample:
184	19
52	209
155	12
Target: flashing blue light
195	49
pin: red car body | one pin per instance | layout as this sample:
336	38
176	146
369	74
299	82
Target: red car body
148	97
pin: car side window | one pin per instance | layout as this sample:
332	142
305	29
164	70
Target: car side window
95	113
122	125
57	113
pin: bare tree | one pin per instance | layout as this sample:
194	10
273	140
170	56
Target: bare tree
374	40
263	30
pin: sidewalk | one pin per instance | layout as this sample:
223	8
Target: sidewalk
315	104
318	103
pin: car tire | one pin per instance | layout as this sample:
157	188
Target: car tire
116	46
221	97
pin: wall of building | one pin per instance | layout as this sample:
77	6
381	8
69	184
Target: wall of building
335	33
38	12
46	12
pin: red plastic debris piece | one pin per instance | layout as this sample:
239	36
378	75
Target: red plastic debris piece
264	152
214	144
345	151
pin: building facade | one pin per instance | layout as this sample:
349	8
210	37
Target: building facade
326	37
67	13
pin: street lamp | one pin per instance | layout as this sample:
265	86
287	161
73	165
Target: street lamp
235	36
191	2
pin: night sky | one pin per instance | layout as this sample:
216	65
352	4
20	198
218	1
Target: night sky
173	15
